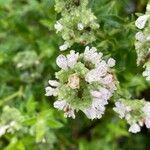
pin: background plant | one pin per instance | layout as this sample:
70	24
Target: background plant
28	49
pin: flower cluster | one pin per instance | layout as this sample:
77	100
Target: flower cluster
142	37
146	73
135	112
10	120
77	23
85	82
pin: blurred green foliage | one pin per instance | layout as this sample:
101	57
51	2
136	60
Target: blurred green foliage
28	48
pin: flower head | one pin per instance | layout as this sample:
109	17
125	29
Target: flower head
85	82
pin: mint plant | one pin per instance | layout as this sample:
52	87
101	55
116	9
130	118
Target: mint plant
92	58
86	81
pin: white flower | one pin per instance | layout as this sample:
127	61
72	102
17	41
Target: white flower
53	83
72	58
111	62
148	38
102	68
107	79
148	7
60	104
96	110
121	109
97	73
90	113
140	36
102	94
3	129
61	61
92	55
58	26
105	94
92	76
141	21
67	62
70	113
146	109
64	47
50	91
13	123
95	69
134	128
80	26
112	86
147	122
146	73
63	105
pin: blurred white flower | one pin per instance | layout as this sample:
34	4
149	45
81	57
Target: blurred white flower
3	129
50	91
80	26
53	83
146	110
141	21
58	26
140	36
147	122
146	73
61	61
92	55
72	58
90	68
65	62
121	109
60	104
111	62
63	105
134	128
64	47
148	7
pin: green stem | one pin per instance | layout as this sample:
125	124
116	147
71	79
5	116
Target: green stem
10	97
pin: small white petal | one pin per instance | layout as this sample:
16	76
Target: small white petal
70	113
60	104
141	21
140	36
90	113
148	7
146	109
64	47
54	83
96	94
3	129
147	122
92	76
111	62
122	109
62	62
72	58
105	94
108	79
58	26
80	26
134	128
50	91
148	78
146	73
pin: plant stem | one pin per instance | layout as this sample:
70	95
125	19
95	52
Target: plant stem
10	97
